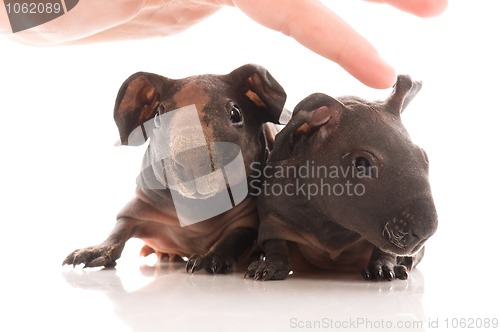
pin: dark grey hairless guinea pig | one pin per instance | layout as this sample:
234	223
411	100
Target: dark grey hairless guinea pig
345	186
192	197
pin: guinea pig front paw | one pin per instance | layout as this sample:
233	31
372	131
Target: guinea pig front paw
268	270
211	262
384	270
101	255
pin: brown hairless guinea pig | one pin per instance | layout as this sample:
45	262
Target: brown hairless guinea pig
192	197
346	187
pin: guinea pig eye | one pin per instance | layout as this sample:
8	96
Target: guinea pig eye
363	166
235	114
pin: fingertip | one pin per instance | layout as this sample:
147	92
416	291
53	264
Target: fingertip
431	8
375	73
421	8
383	78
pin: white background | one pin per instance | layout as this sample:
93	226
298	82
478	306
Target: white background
63	180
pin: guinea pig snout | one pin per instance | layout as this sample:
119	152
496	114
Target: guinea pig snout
396	230
196	162
408	230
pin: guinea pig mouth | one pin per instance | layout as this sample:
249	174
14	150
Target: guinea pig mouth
403	241
198	183
201	187
200	175
395	231
406	232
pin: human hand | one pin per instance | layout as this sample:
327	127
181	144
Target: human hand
322	31
307	21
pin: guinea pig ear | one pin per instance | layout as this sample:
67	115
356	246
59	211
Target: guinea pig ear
403	92
262	89
308	116
136	104
314	111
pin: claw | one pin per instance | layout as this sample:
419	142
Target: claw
385	272
67	262
265	270
214	268
70	259
212	263
388	273
99	261
194	265
366	274
191	263
102	255
401	272
251	270
380	274
258	275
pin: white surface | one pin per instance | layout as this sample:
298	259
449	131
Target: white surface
63	181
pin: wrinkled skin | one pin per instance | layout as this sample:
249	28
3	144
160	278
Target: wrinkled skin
371	209
189	122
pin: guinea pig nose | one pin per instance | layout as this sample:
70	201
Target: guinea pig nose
423	219
195	161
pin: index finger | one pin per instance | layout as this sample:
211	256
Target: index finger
322	31
423	8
